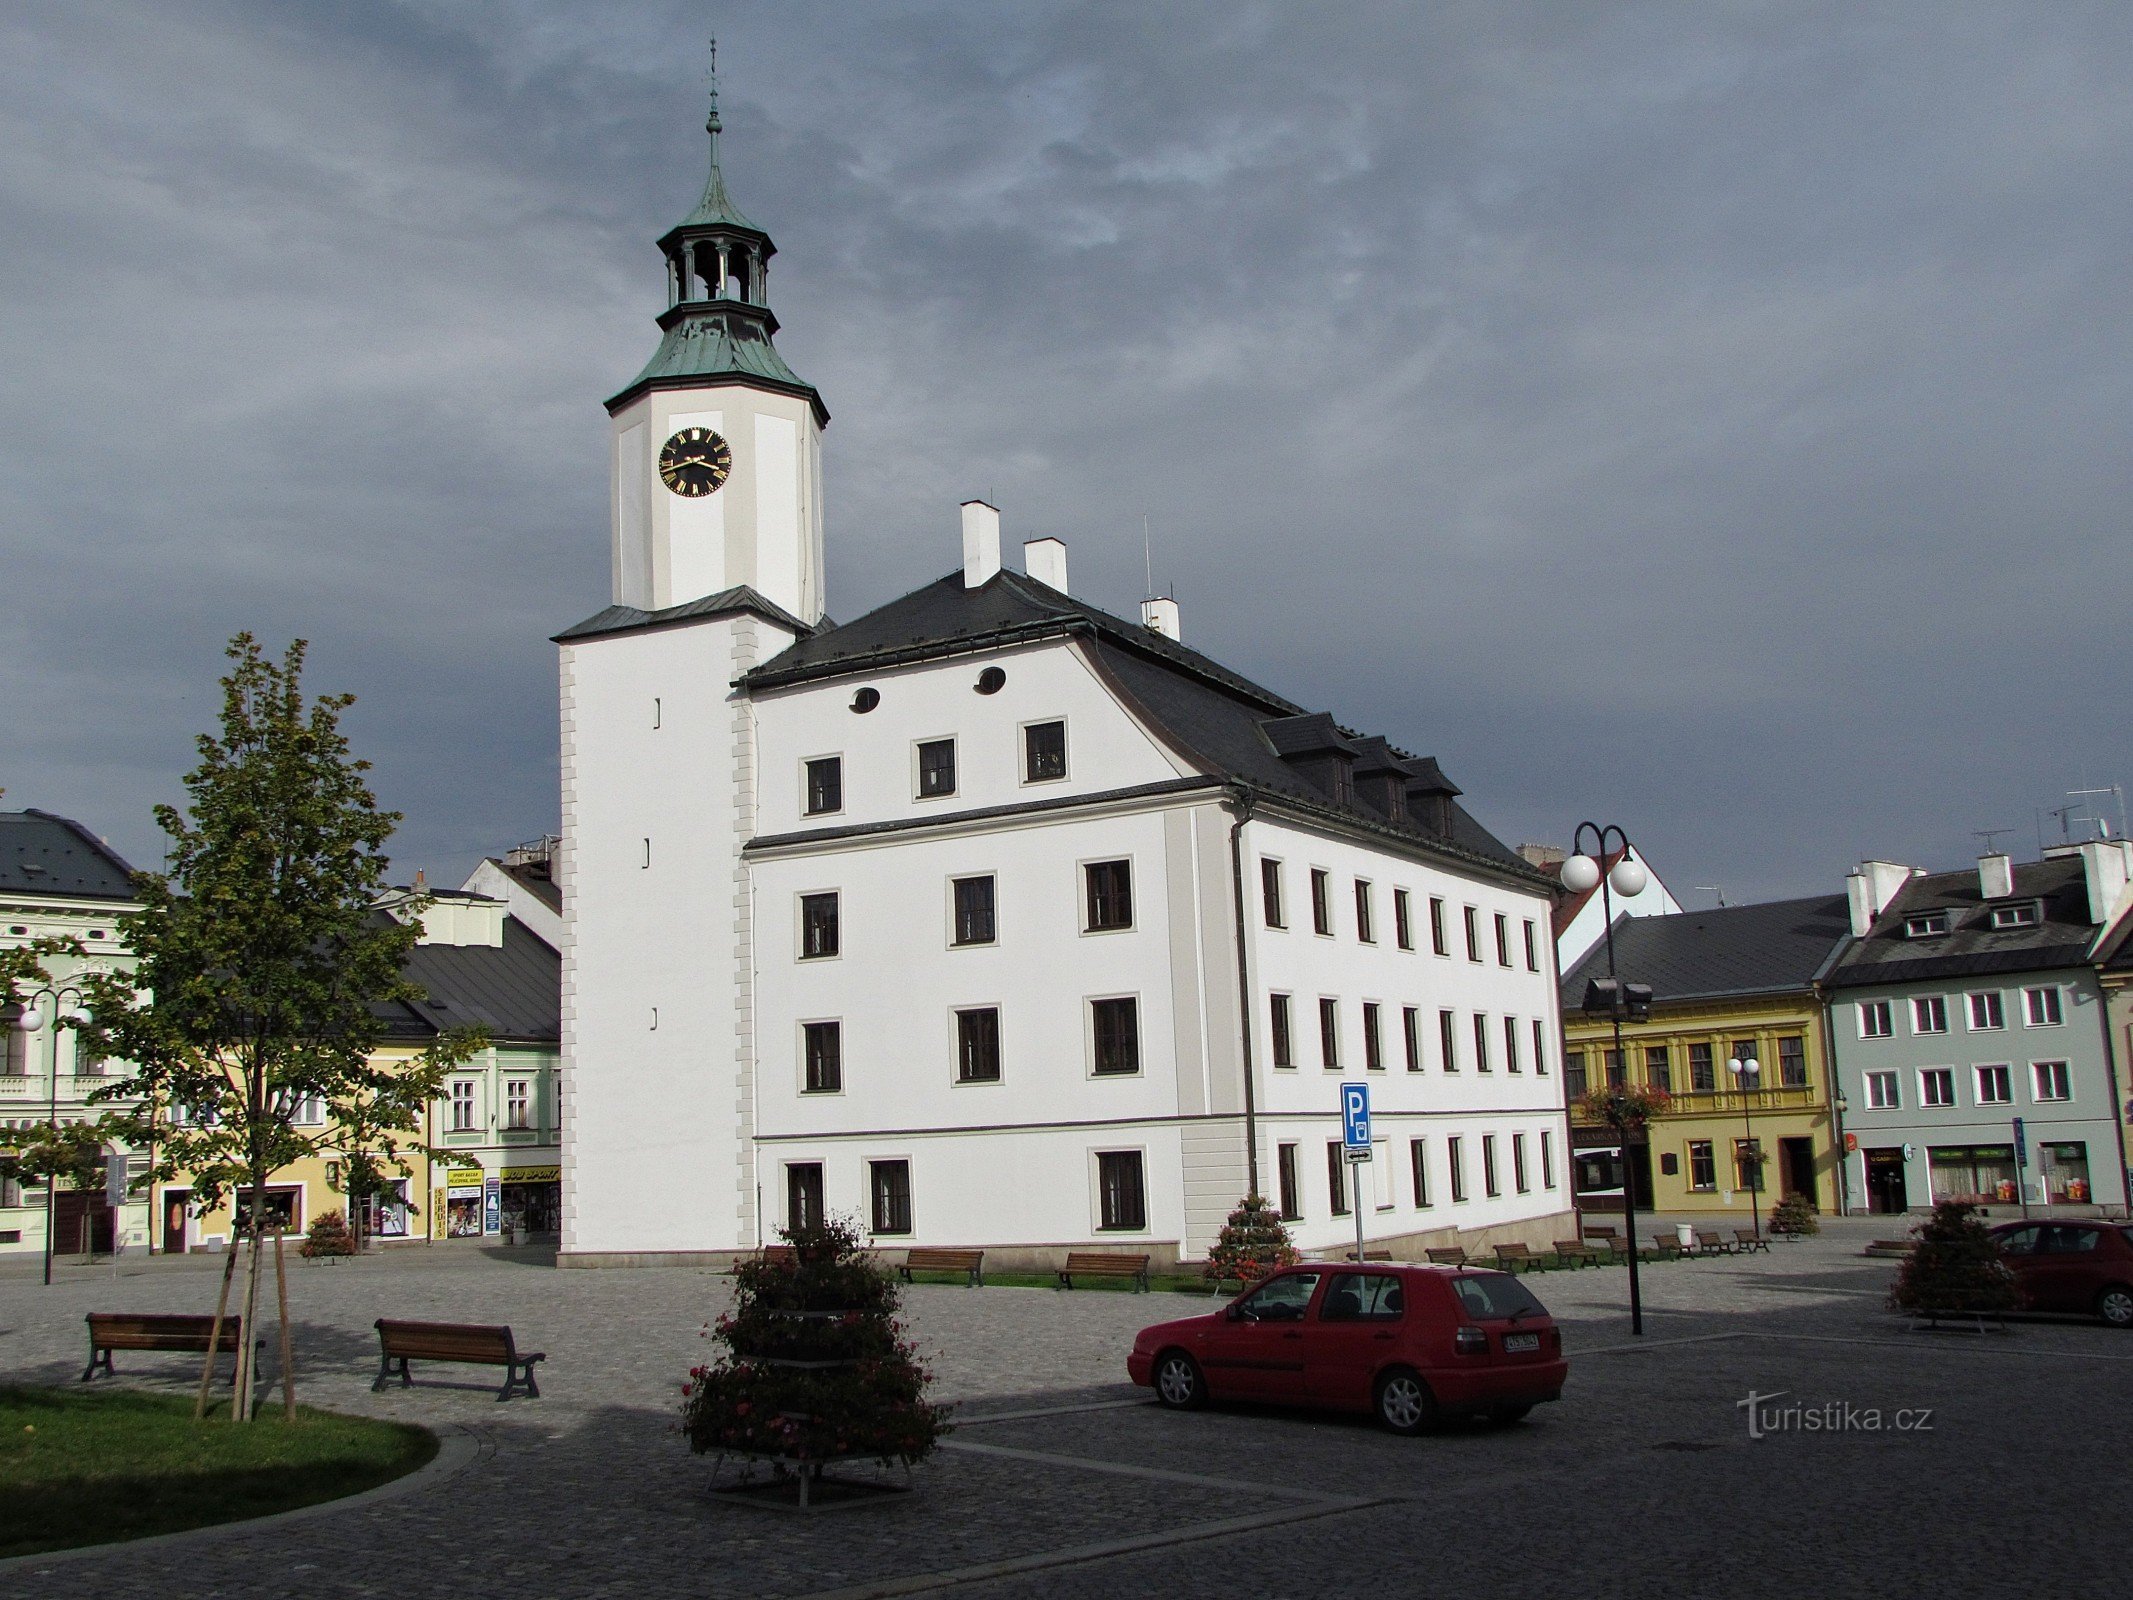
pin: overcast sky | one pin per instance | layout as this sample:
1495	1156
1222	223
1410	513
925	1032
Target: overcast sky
1711	419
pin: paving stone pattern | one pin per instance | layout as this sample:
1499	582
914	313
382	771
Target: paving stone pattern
1643	1481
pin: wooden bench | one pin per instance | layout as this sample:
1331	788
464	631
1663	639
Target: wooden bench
1370	1255
1104	1264
1667	1247
1607	1239
1448	1255
1746	1239
1575	1253
1511	1257
121	1330
1710	1244
471	1343
970	1263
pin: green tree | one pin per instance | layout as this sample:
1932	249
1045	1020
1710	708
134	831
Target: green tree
262	962
1954	1267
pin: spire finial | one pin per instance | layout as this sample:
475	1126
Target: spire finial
711	124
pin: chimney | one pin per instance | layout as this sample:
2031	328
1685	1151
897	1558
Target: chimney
1045	560
981	543
1870	890
2107	866
1160	616
1542	855
1995	876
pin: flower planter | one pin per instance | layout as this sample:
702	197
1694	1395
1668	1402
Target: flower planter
803	1485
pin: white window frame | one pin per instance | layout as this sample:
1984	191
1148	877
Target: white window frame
1980	1000
1884	1090
1927	1075
800	1059
1096	1191
808	761
1066	735
917	795
2030	1007
1978	1082
1081	895
1921	1004
1873	1011
2064	1073
1140	1039
465	1093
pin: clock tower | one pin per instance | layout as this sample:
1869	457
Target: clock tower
717	443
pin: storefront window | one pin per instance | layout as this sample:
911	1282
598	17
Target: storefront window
2064	1169
1981	1174
386	1213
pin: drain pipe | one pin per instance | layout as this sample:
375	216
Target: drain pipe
1240	805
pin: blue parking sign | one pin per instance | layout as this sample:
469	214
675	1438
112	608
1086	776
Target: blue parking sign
1355	1116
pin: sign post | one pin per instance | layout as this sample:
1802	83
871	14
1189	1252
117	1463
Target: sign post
2021	1150
1355	1146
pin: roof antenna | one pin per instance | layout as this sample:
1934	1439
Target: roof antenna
1988	835
1147	559
1715	889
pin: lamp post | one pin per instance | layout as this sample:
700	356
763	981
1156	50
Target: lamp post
1844	1164
68	1011
1745	1070
1582	873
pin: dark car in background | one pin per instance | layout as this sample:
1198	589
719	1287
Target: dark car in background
1408	1344
2072	1266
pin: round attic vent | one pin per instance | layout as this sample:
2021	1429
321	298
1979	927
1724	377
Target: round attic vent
866	700
991	681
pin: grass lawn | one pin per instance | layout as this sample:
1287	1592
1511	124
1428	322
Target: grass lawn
82	1467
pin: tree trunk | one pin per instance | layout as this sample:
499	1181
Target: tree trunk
251	1309
288	1361
214	1337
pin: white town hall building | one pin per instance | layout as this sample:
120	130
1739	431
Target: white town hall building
987	917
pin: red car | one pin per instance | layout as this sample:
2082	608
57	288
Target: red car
1410	1344
2072	1266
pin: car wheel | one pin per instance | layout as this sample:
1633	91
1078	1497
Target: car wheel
1178	1383
1404	1402
2115	1306
1503	1416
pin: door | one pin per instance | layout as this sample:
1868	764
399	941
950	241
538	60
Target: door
1355	1332
1796	1167
1886	1193
1256	1351
81	1224
175	1202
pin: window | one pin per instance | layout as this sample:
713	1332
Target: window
518	1105
1986	1013
1117	1028
1748	1163
1373	1046
1329	1033
1285	1181
1337	1176
977	1045
1703	1073
1510	1045
2051	1080
1617	1073
2016	916
1411	1029
1547	1160
311	1110
2041	1007
1573	1073
1659	1067
1122	1197
1473	934
1403	930
1436	927
1518	1163
1925	925
1882	1093
1043	752
1364	929
1455	1159
17	1045
1110	886
1448	1040
463	1105
1481	1042
1321	901
1936	1086
825	785
1929	1014
1418	1170
1362	1297
973	911
803	1195
1533	960
87	1063
890	1183
1503	940
1874	1020
822	1057
1995	1086
1284	1047
1540	1048
1703	1165
1792	1061
818	926
1270	891
936	768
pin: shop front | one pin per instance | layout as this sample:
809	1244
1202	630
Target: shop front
531	1198
464	1207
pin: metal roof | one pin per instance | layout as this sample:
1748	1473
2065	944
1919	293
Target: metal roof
1707	955
46	855
1972	946
514	990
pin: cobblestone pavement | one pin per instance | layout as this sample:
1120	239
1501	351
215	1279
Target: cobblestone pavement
1062	1480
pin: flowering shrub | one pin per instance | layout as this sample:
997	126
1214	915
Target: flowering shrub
1625	1108
1955	1267
816	1365
1253	1242
328	1235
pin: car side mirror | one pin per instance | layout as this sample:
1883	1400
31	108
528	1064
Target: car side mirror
1234	1313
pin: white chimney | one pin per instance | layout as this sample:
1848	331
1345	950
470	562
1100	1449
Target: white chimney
981	543
1160	616
2107	864
1870	889
1995	876
1045	560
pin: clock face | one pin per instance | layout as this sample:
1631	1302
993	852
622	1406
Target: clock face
694	463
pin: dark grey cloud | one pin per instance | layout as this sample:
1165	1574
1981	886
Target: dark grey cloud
1712	420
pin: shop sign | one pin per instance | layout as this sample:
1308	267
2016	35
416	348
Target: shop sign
464	1178
492	1208
533	1174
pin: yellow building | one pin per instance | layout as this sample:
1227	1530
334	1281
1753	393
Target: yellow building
1735	985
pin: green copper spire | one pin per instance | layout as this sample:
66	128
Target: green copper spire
716	208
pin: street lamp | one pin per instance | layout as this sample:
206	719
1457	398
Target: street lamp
1844	1165
1745	1071
1582	873
69	1011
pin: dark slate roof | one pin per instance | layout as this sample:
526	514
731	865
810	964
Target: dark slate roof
1734	950
515	991
1972	946
630	619
41	854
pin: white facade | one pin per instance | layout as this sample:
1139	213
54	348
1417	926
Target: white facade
1589	926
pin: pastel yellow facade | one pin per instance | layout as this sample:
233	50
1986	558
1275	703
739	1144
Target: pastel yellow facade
1696	1159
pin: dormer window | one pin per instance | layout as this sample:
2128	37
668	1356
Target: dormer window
1925	925
2023	914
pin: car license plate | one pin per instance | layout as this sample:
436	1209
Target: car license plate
1515	1343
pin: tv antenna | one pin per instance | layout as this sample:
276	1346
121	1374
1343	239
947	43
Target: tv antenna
2063	813
2116	793
1715	889
1987	835
1147	558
